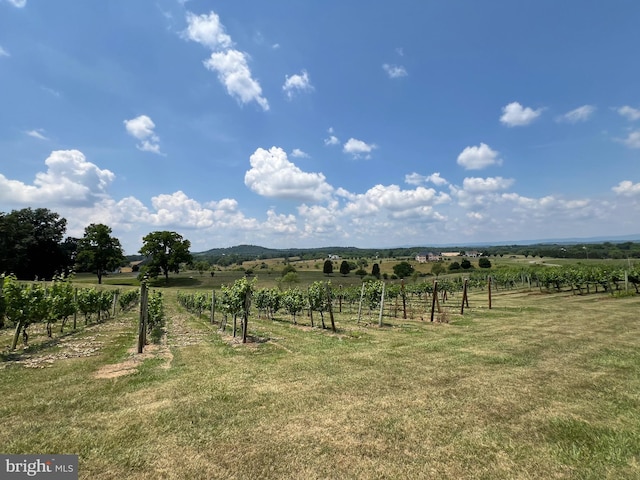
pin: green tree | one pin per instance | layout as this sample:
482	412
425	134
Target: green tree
454	266
375	270
344	268
403	269
465	264
438	268
202	266
327	268
165	251
484	263
31	243
288	269
98	251
290	278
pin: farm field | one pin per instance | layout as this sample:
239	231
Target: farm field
541	386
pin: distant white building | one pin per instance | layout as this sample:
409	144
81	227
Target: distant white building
425	257
333	257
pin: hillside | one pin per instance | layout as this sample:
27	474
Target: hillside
602	250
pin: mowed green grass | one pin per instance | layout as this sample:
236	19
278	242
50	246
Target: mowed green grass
541	386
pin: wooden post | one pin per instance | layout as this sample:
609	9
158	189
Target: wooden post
489	288
213	306
404	300
626	281
333	323
75	310
146	314
115	303
464	296
245	320
360	306
141	322
1	299
434	298
381	305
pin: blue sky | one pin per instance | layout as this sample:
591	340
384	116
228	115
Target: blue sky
304	124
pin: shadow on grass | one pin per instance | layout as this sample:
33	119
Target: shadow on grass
175	282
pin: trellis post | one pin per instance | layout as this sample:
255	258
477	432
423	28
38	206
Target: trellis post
434	299
142	327
360	306
464	296
489	289
213	306
381	305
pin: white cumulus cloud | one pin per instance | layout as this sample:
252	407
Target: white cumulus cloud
297	83
389	203
489	184
273	175
515	115
280	223
331	139
629	113
358	148
580	114
207	30
69	180
627	188
297	153
477	158
234	73
417	179
395	71
230	64
143	129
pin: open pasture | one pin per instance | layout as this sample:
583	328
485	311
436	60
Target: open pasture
540	386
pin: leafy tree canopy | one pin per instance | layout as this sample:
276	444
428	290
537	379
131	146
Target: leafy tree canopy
375	270
344	268
166	251
484	263
438	268
327	269
31	243
403	269
98	251
288	269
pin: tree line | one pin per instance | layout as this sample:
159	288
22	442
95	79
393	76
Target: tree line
33	246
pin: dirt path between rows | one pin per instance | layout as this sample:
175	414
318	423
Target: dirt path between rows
177	334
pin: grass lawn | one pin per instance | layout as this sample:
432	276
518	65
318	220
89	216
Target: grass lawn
542	386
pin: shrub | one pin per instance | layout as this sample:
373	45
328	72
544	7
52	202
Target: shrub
484	263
